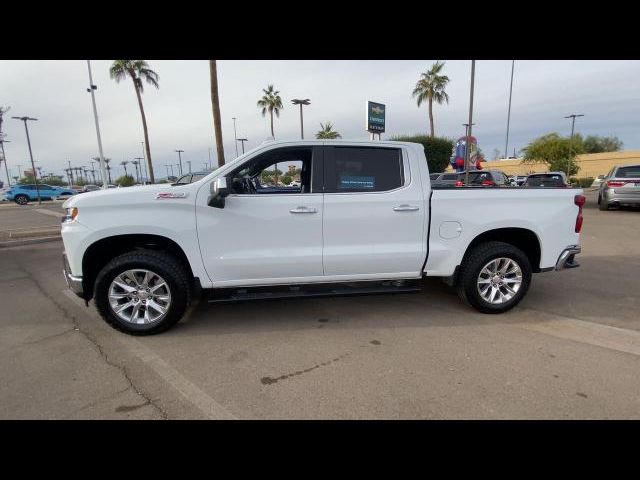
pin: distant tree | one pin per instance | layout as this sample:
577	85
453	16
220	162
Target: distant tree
54	180
287	179
270	102
137	70
598	144
496	154
326	132
430	88
438	150
557	152
124	164
125	181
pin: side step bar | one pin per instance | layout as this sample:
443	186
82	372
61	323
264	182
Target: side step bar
229	295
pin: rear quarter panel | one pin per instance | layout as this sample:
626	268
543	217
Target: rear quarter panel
549	213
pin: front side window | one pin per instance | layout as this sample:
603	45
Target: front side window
279	171
363	169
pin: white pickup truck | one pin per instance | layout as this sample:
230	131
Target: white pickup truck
363	217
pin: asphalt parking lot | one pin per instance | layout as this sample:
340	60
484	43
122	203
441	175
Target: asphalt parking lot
571	349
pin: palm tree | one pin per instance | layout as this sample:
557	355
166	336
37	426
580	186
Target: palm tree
108	168
137	70
327	133
215	106
272	103
124	164
431	87
135	164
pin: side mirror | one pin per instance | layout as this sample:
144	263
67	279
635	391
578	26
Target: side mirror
219	191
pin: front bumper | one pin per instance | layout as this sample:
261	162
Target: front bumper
567	257
74	283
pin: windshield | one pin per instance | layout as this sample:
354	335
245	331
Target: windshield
476	178
545	181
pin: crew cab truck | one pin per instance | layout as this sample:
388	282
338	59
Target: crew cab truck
363	212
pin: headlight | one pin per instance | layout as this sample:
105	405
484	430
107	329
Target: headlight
70	216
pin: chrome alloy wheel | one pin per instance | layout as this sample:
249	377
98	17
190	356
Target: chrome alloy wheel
499	280
139	296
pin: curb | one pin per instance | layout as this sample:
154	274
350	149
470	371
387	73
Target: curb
28	241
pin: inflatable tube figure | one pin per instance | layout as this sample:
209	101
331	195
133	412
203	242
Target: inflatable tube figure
457	159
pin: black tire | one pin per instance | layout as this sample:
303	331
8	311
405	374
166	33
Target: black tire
599	199
474	262
21	199
163	264
603	205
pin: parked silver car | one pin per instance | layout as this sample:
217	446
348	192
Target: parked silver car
447	179
620	187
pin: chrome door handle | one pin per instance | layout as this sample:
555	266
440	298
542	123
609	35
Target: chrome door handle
304	210
406	208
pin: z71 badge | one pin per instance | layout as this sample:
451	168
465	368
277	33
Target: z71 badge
167	195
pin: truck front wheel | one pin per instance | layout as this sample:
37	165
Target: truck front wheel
142	292
494	277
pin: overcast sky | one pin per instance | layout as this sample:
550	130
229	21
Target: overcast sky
179	113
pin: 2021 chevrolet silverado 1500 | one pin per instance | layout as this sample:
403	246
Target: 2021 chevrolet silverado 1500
358	212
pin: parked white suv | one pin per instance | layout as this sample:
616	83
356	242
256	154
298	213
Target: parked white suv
364	212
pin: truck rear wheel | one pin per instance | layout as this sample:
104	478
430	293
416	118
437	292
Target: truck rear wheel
494	277
142	292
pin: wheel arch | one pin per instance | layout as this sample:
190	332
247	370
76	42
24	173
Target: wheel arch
100	252
523	238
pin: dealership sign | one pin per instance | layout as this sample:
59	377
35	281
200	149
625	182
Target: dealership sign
375	117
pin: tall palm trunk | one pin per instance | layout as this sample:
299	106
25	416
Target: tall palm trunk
271	114
125	171
144	127
431	116
215	106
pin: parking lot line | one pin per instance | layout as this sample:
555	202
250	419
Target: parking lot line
614	338
205	403
48	212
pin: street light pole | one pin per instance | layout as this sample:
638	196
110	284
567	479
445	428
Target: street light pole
91	88
180	159
301	102
189	162
242	140
466	150
506	143
235	135
573	124
4	157
35	176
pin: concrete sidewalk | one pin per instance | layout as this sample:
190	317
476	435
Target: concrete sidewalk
22	222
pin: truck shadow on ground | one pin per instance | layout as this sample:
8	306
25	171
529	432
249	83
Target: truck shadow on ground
602	288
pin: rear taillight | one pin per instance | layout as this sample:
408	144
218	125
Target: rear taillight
459	183
579	200
616	183
488	183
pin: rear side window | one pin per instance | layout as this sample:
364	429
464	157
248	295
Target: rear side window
449	176
363	169
434	176
628	172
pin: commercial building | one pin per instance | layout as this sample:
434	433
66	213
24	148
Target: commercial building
591	164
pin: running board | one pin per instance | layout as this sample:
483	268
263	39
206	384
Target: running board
229	295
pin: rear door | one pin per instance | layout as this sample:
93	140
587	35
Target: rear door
373	213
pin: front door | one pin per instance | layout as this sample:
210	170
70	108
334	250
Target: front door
270	229
374	213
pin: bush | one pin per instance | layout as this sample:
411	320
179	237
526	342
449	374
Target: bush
125	181
581	182
438	150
